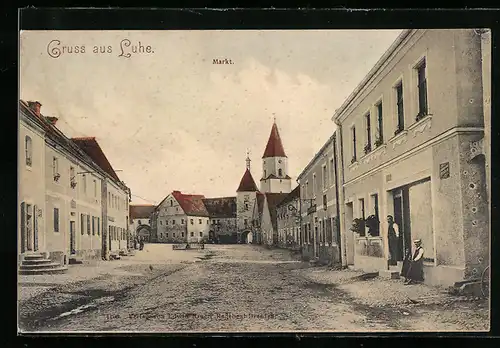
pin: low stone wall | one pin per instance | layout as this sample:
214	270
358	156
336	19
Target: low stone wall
58	256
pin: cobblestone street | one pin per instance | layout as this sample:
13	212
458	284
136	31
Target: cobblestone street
233	288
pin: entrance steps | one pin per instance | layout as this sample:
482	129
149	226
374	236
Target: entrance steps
37	263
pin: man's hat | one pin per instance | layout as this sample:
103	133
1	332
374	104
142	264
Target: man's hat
417	241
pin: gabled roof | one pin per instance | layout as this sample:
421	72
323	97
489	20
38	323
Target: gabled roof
91	147
273	199
295	194
247	184
274	147
141	211
191	204
223	207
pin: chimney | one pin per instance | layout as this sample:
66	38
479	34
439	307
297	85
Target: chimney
35	106
52	120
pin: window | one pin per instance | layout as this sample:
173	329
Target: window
98	226
173	222
161	235
191	221
325	177
84	182
246	206
72	177
171	203
182	221
109	199
307	189
139	222
265	175
56	219
192	234
149	221
95	188
246	222
82	224
400	107
332	172
166	235
208	222
55	168
161	222
362	208
368	145
29	150
200	221
88	225
353	144
314	184
182	234
201	234
280	172
324	202
173	234
93	225
422	90
380	125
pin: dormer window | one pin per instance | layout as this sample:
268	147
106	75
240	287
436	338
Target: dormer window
280	172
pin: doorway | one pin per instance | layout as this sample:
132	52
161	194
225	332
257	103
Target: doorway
72	238
402	219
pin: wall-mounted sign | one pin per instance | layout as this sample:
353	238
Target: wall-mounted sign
444	170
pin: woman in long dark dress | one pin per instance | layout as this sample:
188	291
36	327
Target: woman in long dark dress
406	264
415	273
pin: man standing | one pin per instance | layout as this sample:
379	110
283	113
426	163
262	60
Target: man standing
393	236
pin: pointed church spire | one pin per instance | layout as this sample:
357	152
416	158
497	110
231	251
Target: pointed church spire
274	146
248	160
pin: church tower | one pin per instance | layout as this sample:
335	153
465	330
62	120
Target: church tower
275	177
245	200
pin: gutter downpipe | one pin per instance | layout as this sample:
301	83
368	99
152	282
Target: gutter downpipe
300	220
337	208
340	201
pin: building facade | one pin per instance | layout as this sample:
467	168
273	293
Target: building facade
182	218
60	191
406	135
245	200
222	213
319	208
141	220
288	218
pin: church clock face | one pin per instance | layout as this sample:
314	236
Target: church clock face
279	161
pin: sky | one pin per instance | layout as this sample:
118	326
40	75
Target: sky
169	119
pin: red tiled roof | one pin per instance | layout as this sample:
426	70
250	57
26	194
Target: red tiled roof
274	146
223	207
191	204
91	147
143	211
247	184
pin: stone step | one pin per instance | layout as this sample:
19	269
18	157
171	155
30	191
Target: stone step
388	274
50	265
36	262
34	257
57	270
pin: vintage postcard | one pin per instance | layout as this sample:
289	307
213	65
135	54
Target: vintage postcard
254	181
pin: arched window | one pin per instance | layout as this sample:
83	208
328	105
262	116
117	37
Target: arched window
29	150
280	172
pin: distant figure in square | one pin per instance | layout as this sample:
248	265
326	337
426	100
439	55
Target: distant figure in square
416	270
393	236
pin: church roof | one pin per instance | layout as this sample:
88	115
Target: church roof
223	207
247	184
274	146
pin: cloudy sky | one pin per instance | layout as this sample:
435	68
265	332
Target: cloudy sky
172	120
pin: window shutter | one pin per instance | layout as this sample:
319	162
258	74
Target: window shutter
88	224
23	227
